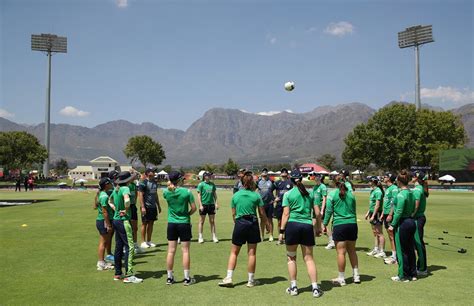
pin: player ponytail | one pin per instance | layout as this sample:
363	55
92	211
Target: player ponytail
339	181
424	183
248	182
379	185
301	188
403	177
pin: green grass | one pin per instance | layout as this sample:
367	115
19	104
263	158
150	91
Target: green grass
52	260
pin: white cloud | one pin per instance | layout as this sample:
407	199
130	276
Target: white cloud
5	114
121	3
340	28
445	94
271	113
71	111
311	30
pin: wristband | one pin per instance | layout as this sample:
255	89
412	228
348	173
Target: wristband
282	231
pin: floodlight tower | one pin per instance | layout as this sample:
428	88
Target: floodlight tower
414	37
48	43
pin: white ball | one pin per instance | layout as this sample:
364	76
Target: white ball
289	86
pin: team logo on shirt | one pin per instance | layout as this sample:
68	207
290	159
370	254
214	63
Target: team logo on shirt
288	186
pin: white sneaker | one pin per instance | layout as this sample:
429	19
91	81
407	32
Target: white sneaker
270	239
380	254
372	253
179	240
226	282
398	279
132	280
189	281
339	281
151	244
200	240
144	245
356	279
139	250
253	283
215	240
330	245
317	292
104	266
293	291
390	261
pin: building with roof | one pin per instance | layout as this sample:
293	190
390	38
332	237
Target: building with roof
307	168
99	167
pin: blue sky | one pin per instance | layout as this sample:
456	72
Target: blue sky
168	62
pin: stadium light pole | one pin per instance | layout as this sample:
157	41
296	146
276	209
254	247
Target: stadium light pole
415	37
48	43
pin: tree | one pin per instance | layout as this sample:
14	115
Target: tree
168	168
19	150
327	160
61	166
398	136
231	167
209	167
145	150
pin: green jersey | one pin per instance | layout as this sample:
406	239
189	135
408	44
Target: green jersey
349	186
300	207
207	192
375	195
178	204
104	202
405	206
390	198
245	203
419	195
319	193
133	193
344	210
119	203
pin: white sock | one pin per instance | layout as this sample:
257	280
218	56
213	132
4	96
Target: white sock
229	273
315	285
251	276
376	248
170	273
292	283
341	275
394	255
200	235
186	274
355	271
214	236
101	262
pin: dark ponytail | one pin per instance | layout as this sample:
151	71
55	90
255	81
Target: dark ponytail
341	186
379	184
425	186
301	188
403	177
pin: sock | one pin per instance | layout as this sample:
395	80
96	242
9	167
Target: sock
170	273
200	235
355	271
229	273
376	248
315	285
186	274
394	255
251	276
341	275
101	262
214	236
330	239
292	283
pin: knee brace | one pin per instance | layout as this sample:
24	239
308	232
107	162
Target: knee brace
291	256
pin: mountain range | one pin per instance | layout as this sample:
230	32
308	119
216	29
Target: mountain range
221	134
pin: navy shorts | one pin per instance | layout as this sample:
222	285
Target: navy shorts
384	220
345	232
100	224
299	233
208	210
268	210
246	230
133	210
179	230
376	219
278	211
151	214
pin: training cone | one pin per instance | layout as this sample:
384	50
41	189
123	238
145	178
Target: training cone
24	225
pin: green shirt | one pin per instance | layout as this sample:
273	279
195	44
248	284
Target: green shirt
104	202
245	203
119	203
319	193
375	194
405	206
208	192
300	207
344	210
390	198
349	186
419	194
133	193
178	204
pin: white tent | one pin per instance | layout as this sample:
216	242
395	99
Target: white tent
62	184
271	172
81	181
447	178
357	172
322	172
162	172
334	173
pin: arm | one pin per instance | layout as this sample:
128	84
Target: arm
141	199
215	198
108	226
111	201
233	214
323	205
284	221
398	212
376	209
126	200
417	205
263	215
158	203
193	208
317	212
329	212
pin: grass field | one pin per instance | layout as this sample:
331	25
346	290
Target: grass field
52	260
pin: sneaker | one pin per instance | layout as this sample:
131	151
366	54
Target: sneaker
170	281
422	273
390	261
339	281
144	245
270	239
189	281
414	279
139	250
151	244
292	291
200	240
104	266
110	258
398	279
380	254
280	242
226	282
330	246
356	279
117	277
317	292
372	253
253	283
132	280
215	240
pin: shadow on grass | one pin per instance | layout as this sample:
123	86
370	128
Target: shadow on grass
434	268
264	281
150	274
362	249
18	202
204	278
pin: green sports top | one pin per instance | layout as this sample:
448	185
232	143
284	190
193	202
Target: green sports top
245	203
349	186
120	203
300	206
207	191
178	204
344	210
405	206
104	202
419	194
319	193
390	198
375	194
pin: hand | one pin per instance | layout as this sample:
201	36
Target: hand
372	218
277	199
325	229
390	229
318	232
366	216
381	218
217	206
389	218
122	213
280	237
143	210
108	227
201	208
